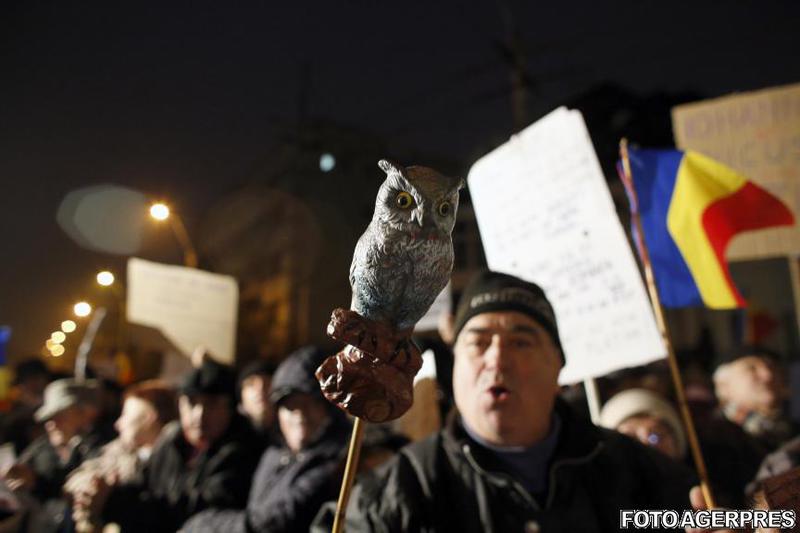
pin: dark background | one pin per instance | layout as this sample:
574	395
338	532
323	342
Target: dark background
192	101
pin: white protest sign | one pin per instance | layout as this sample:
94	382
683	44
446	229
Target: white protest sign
191	307
545	214
430	321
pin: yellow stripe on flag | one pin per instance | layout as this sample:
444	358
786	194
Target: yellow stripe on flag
700	182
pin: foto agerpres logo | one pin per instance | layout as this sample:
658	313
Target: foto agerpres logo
712	519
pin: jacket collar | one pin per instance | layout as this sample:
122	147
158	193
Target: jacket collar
578	438
579	441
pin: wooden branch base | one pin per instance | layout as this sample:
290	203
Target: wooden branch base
373	376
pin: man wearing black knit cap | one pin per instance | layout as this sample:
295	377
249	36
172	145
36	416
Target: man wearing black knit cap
514	457
205	460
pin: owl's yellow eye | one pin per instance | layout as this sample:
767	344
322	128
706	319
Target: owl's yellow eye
404	200
444	209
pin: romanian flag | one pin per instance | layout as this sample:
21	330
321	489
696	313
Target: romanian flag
691	206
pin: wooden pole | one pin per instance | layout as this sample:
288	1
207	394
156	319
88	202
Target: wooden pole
593	399
350	469
655	301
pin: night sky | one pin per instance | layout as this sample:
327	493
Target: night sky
180	99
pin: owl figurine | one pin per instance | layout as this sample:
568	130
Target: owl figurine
405	257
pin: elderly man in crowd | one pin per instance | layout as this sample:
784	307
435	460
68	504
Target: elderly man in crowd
752	393
206	460
514	457
67	414
296	477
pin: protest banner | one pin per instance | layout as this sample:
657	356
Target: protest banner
189	306
545	214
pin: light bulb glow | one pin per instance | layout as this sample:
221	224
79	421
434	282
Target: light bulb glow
57	350
105	278
82	309
58	337
49	344
159	211
68	326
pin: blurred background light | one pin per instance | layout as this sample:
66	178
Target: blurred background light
159	211
82	309
327	162
105	278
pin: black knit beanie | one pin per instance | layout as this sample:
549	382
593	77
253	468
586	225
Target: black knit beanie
493	291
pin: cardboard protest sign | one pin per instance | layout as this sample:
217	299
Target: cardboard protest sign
189	306
546	215
757	134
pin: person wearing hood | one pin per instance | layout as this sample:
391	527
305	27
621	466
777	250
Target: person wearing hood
295	478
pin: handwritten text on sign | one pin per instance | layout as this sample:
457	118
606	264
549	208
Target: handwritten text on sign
545	214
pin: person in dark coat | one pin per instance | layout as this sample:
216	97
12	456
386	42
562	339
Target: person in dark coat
43	466
297	476
204	460
512	457
18	425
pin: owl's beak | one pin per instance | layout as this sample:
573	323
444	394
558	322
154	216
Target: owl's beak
416	215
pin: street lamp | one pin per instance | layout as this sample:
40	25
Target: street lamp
58	337
82	309
161	212
68	326
105	278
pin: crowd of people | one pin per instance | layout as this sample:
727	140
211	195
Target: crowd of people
262	451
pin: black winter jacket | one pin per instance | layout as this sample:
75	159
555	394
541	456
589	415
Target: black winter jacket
51	473
288	489
172	490
449	483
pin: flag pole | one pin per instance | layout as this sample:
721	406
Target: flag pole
593	399
655	301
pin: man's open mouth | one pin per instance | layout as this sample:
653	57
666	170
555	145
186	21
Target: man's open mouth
499	392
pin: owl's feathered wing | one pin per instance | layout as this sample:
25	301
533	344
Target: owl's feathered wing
396	281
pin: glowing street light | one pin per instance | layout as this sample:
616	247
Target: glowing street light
58	337
82	309
68	326
105	278
57	350
159	211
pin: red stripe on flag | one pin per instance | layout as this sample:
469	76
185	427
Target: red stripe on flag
749	208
